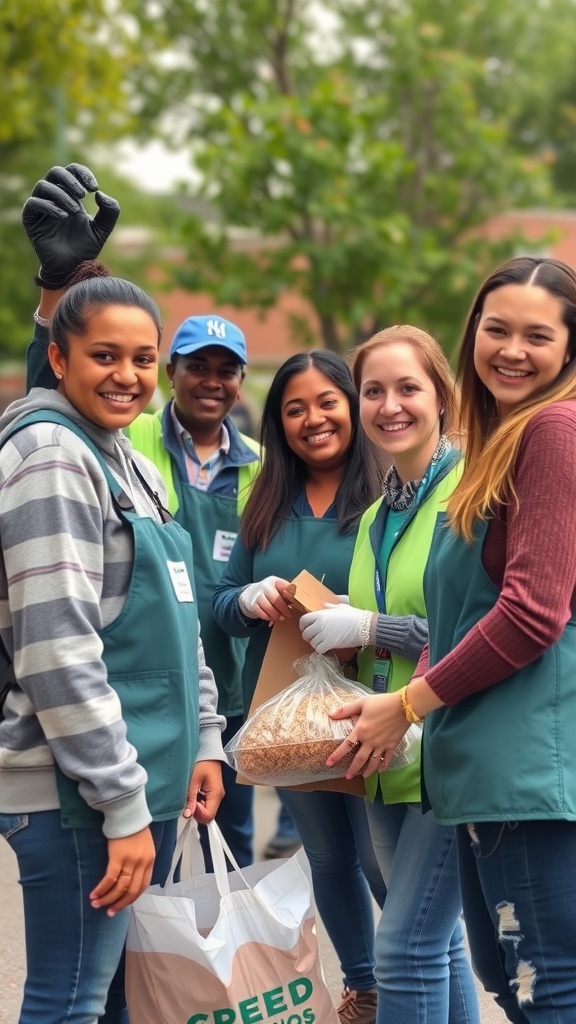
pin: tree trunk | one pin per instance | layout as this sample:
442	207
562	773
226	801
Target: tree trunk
330	334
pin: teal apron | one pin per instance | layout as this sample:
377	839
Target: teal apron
150	653
507	753
302	543
212	521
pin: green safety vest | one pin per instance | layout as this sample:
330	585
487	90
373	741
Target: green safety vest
404	593
145	433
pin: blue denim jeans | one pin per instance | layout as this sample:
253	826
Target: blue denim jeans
518	882
422	970
72	951
164	834
74	954
235	816
334	831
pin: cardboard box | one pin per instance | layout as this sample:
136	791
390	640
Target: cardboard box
305	594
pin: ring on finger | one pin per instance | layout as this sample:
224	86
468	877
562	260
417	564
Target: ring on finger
353	744
373	757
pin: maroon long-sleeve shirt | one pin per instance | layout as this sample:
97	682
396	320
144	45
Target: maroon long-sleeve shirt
530	555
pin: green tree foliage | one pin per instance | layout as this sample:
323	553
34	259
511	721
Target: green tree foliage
61	90
363	143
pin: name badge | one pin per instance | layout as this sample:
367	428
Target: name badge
223	542
381	670
181	582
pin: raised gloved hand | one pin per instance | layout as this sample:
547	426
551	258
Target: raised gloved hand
62	233
263	599
337	626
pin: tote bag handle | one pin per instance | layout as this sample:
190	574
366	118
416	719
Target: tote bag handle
190	836
219	850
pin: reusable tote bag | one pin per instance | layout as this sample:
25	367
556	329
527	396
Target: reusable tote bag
236	948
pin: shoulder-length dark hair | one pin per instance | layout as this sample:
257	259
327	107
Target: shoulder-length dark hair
284	474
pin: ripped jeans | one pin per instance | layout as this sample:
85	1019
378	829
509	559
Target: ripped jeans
518	883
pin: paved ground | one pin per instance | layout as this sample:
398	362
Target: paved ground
11	934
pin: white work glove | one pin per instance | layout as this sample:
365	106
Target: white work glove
263	600
336	627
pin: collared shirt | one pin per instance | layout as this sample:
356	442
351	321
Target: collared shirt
201	474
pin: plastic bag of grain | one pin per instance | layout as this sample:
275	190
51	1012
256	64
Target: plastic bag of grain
288	738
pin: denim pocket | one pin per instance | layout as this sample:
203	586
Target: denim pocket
11	823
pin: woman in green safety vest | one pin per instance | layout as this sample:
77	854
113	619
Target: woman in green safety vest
407	406
317	478
497	685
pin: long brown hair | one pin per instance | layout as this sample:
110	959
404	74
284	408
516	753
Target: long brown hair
434	363
492	447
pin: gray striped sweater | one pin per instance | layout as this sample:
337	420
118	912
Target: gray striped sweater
65	565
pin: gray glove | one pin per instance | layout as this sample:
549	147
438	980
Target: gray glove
62	233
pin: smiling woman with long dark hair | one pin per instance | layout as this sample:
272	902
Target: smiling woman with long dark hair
319	475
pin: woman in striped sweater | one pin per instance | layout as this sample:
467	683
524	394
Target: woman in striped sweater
110	729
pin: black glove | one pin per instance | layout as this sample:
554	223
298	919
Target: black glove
60	230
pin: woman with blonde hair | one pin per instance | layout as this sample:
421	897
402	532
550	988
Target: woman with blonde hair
407	409
497	686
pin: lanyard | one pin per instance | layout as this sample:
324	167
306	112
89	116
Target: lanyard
382	656
382	665
379	578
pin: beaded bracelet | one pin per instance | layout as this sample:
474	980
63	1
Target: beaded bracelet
365	639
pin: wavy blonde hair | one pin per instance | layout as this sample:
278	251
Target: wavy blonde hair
434	363
491	446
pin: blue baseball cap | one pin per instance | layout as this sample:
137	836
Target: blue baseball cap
200	331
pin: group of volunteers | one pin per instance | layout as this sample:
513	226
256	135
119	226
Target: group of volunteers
144	558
